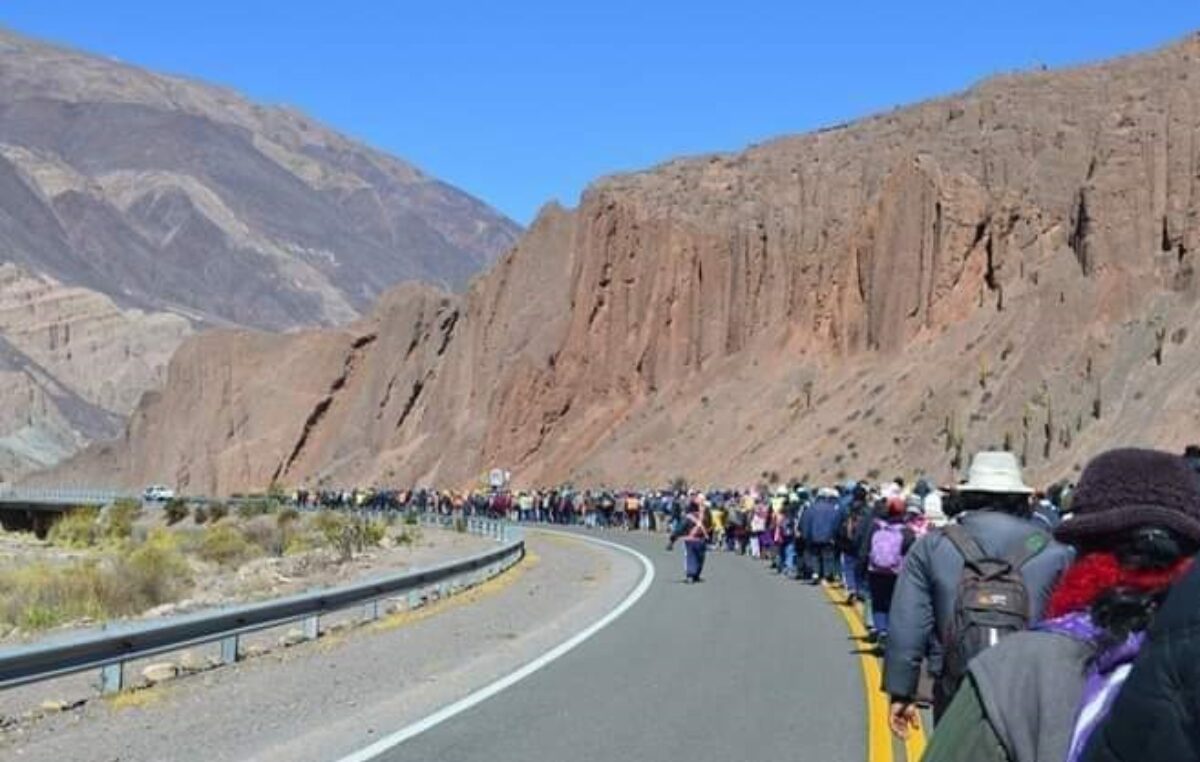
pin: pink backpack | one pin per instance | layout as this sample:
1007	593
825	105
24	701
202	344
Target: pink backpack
887	548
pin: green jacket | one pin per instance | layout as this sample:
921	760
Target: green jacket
964	733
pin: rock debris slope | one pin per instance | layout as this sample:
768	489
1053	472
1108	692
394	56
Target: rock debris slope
1009	266
145	206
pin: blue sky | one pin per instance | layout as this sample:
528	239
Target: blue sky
521	102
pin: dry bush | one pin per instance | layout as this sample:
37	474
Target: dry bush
175	511
217	511
348	535
77	529
43	595
266	534
225	544
116	522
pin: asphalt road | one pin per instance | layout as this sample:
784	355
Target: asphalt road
743	666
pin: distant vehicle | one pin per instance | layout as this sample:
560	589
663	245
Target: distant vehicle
157	493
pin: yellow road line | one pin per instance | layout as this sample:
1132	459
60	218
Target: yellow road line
879	737
914	745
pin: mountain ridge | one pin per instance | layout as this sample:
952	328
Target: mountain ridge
1012	265
175	202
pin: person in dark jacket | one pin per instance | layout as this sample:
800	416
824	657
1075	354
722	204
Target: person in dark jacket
855	519
994	512
1041	694
819	526
1154	718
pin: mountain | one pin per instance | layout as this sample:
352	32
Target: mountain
167	206
1013	265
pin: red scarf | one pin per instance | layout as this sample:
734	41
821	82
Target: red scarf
1084	581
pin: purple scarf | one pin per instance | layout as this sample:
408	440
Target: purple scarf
1106	672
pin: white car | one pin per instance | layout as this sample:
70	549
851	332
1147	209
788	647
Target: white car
157	493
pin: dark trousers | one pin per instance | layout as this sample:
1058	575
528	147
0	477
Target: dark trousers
693	557
819	560
883	587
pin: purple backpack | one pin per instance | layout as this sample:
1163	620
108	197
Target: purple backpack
887	546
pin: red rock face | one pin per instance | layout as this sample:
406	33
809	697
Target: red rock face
1009	266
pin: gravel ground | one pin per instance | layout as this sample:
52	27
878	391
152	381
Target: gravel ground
320	700
19	705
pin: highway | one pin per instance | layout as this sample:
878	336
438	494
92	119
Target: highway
746	665
743	665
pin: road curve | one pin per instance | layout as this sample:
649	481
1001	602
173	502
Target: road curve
745	665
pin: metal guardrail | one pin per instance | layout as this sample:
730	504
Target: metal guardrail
109	648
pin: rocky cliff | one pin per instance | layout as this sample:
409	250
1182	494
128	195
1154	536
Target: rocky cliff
1009	266
180	206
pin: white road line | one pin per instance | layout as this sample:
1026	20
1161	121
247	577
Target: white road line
483	694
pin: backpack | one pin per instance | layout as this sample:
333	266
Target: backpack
991	603
887	548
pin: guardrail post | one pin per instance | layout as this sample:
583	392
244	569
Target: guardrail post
312	627
229	649
112	677
371	610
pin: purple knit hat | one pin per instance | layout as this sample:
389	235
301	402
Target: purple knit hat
1128	488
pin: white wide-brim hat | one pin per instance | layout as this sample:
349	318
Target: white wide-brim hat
997	473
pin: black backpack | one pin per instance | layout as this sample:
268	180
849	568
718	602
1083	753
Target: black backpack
991	603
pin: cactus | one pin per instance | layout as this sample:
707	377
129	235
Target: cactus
983	371
1048	429
1096	401
1160	338
1008	441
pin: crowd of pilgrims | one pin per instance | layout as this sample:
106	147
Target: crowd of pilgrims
1037	625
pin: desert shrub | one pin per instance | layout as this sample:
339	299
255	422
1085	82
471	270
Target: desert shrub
152	573
372	531
266	534
256	506
77	529
118	519
411	519
175	511
200	515
348	535
224	544
408	536
334	529
302	542
217	511
42	595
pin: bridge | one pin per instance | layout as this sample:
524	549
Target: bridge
33	509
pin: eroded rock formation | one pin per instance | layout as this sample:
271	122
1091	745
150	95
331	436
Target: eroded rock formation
1010	266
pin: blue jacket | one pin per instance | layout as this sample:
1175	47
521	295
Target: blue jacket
821	520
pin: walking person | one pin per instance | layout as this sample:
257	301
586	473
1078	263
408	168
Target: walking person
819	526
1042	694
696	530
890	539
928	615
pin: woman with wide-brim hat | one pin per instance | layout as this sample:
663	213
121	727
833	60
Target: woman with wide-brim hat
1038	695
